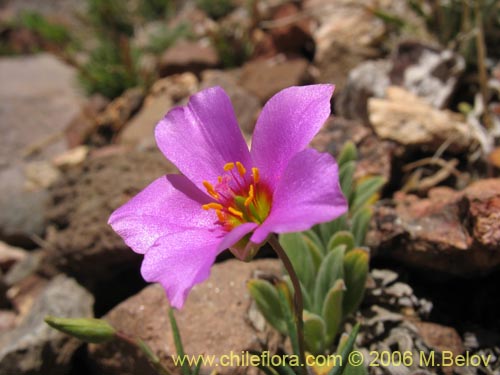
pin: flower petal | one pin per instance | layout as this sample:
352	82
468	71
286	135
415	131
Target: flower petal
169	205
288	122
236	234
308	193
179	261
203	136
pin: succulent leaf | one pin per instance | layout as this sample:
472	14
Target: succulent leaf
300	256
360	224
348	153
331	270
366	191
268	301
332	311
314	333
342	237
356	266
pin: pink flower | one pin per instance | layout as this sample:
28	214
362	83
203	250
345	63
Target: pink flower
228	196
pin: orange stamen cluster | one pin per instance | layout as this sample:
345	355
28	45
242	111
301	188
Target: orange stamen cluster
239	197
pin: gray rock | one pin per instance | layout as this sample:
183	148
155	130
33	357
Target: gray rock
35	348
21	210
423	70
368	79
38	99
426	71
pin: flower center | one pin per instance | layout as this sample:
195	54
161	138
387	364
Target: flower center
240	197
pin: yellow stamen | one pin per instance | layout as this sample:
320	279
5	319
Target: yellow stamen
210	189
250	196
228	166
235	212
219	179
220	215
255	174
213	205
241	169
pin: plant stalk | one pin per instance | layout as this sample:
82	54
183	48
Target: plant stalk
298	304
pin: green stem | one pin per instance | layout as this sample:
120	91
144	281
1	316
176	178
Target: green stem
298	304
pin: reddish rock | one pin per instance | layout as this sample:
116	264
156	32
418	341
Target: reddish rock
214	321
119	111
291	31
375	156
346	34
264	78
186	56
454	232
440	337
84	124
82	243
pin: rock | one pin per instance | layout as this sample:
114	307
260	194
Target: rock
246	105
368	79
120	110
84	124
66	12
375	156
186	56
200	24
81	242
264	78
440	337
213	321
385	292
410	121
24	267
291	31
37	101
10	255
163	95
347	34
453	232
72	157
7	321
35	348
427	72
21	210
40	175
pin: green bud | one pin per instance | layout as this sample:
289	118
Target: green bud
86	329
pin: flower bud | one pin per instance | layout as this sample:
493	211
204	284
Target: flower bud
86	329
